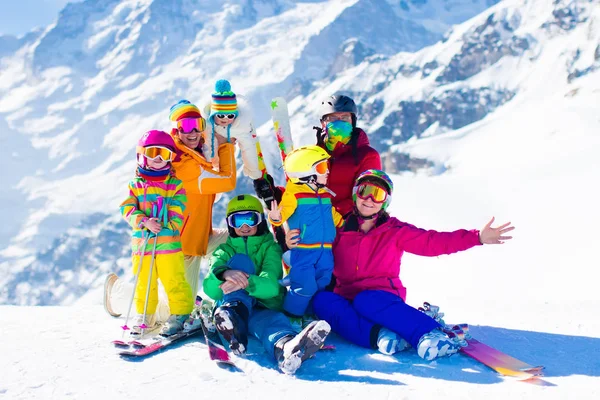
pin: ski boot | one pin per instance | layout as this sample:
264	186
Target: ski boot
389	342
292	351
173	325
142	324
232	323
437	344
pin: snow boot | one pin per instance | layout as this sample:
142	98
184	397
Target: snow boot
194	320
389	342
436	344
231	321
292	351
142	325
174	324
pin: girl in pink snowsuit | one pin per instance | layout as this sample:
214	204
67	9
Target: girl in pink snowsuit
367	305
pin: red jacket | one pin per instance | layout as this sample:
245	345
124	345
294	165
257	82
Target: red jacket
371	261
344	170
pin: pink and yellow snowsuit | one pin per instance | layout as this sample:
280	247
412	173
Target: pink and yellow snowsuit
166	201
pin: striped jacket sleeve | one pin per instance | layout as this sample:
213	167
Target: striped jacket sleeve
130	209
176	208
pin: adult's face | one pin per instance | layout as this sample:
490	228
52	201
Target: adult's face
367	207
336	116
191	139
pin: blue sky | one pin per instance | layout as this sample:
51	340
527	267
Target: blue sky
18	17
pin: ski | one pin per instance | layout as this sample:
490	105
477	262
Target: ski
216	349
148	333
146	346
493	358
281	125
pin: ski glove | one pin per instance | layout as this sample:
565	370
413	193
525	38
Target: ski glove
267	191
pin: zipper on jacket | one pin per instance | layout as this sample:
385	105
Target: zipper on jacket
246	244
322	219
184	224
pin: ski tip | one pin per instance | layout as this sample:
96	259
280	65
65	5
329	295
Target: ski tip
229	365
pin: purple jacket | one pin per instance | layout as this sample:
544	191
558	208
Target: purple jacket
371	261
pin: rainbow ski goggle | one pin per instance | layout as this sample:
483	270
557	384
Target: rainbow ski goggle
376	193
189	125
154	152
250	218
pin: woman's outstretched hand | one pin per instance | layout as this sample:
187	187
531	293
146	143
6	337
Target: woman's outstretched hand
489	235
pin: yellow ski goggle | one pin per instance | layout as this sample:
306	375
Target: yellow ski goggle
154	152
376	193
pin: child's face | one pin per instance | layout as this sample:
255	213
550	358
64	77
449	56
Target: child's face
322	179
367	207
156	163
245	230
192	139
224	119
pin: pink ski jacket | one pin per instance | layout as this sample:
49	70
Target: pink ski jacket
371	261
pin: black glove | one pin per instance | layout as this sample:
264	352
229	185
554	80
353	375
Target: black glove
264	189
267	191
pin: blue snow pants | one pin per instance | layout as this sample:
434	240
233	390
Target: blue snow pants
310	272
269	326
359	320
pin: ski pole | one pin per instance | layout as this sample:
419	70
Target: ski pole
137	276
144	326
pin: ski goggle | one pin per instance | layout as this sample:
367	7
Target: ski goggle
189	125
241	218
322	167
230	116
154	152
376	193
347	117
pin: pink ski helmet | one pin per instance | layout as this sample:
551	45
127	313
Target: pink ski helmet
153	138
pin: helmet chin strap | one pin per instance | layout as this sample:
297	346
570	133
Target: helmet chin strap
313	180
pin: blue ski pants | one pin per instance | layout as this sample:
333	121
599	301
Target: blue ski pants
360	320
269	326
310	272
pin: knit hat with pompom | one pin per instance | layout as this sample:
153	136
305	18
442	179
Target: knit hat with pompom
223	99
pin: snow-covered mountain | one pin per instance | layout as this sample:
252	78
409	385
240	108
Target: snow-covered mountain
75	96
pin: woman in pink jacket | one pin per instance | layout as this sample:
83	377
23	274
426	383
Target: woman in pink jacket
367	304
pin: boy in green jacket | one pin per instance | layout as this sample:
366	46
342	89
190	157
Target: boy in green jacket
243	280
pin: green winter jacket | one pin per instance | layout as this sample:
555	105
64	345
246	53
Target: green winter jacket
266	255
